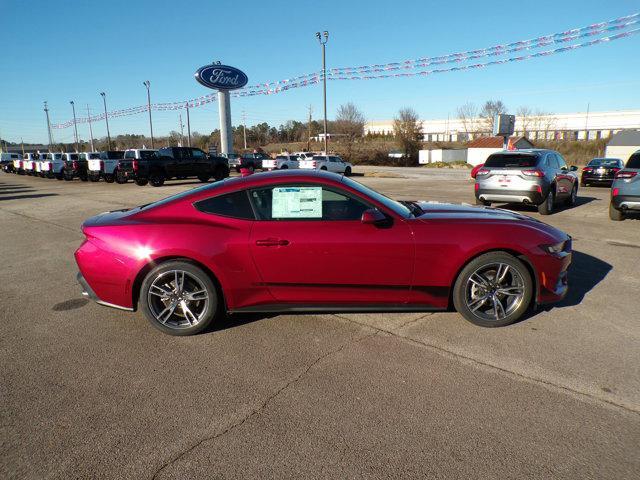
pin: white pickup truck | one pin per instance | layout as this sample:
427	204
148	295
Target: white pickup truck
29	163
330	163
281	162
52	164
105	166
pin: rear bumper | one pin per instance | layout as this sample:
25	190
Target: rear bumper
88	292
510	196
591	178
624	202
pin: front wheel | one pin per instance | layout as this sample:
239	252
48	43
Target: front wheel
203	178
347	172
546	207
615	214
141	182
571	201
493	290
179	298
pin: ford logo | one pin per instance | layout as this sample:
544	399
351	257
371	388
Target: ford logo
221	77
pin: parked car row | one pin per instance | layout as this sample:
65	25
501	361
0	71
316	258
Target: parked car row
142	166
285	161
541	178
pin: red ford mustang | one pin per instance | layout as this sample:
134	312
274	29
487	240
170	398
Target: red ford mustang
296	241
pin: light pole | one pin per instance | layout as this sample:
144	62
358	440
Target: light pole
323	41
90	128
46	111
147	84
75	124
106	119
188	125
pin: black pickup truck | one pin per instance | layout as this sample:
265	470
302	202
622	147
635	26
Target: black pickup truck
174	162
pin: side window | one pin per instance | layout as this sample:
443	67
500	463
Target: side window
235	205
551	161
129	154
198	154
561	162
305	202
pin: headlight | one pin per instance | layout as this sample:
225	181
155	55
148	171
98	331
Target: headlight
554	248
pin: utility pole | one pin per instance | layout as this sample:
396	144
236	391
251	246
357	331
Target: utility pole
586	124
75	124
106	119
90	128
324	83
309	130
147	84
181	130
244	127
188	125
46	111
22	142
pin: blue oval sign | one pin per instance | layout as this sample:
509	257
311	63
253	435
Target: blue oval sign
221	77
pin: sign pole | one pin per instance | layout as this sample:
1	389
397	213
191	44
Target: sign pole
224	109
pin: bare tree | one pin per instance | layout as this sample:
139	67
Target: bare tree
408	132
525	114
489	110
543	122
349	120
467	114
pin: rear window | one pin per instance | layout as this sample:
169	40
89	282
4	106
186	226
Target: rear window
144	154
604	162
634	161
114	155
93	156
234	204
506	160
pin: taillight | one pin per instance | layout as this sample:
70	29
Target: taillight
134	165
482	171
477	187
314	164
101	164
625	174
615	192
75	165
538	188
587	169
533	173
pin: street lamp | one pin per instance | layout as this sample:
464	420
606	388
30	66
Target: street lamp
147	84
106	119
323	41
75	123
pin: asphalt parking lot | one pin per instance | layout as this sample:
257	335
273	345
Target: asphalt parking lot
93	392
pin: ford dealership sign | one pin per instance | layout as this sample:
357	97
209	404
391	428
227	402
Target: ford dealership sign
221	77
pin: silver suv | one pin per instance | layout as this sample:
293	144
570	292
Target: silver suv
625	189
533	177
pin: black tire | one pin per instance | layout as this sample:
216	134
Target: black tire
571	200
84	177
483	202
141	182
204	178
220	173
175	323
94	178
547	205
67	177
519	308
120	177
323	168
156	179
109	177
615	214
59	176
284	167
347	172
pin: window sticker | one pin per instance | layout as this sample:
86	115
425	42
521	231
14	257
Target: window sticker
296	202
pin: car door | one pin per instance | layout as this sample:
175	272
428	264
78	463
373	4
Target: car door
200	162
311	247
564	178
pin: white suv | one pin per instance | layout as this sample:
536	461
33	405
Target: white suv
281	162
330	163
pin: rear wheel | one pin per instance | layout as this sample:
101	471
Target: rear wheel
323	168
84	177
141	182
179	298
284	167
483	202
109	178
59	176
546	207
157	179
493	290
203	178
94	178
615	214
67	175
347	172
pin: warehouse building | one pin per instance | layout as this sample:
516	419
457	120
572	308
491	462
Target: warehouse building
623	144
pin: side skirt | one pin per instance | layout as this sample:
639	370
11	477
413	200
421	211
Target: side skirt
299	308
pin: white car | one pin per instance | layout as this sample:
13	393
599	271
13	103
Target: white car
8	161
306	155
53	165
330	163
281	162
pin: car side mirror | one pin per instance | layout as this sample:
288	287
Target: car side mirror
573	168
373	216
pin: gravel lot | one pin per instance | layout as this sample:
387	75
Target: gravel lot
92	392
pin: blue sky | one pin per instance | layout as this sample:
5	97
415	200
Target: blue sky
71	50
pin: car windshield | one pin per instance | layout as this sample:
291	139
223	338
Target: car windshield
604	162
634	161
396	207
511	160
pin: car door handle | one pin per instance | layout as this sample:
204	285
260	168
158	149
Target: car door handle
272	242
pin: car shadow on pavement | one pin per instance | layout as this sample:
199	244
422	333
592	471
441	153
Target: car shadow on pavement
238	319
19	197
585	272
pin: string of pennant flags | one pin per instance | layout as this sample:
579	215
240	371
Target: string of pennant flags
409	68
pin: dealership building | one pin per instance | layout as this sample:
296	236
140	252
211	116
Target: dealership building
561	126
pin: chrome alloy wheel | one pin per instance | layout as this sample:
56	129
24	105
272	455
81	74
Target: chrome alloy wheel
177	299
494	291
